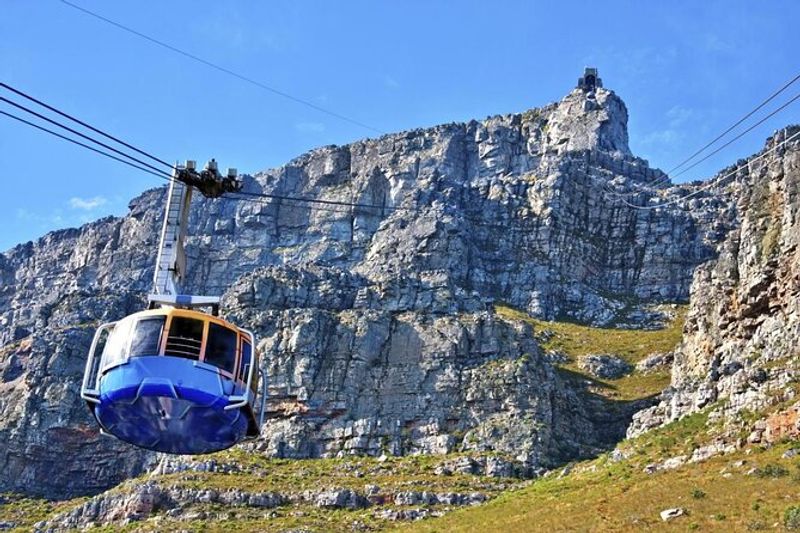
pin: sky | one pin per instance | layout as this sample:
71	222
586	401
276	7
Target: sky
687	70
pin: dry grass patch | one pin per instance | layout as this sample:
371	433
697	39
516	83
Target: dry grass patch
717	495
24	512
632	345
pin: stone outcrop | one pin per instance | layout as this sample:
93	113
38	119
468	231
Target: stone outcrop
146	499
375	321
373	381
742	333
604	366
655	362
141	501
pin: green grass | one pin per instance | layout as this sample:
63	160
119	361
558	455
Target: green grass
286	476
576	339
604	496
598	495
224	519
632	345
25	512
676	438
262	474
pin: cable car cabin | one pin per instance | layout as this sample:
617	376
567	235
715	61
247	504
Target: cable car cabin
174	380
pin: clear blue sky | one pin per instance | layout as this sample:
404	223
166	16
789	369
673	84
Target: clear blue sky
686	70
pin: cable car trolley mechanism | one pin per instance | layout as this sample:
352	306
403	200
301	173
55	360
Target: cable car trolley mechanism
173	378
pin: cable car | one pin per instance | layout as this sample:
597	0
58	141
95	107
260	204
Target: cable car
171	378
174	380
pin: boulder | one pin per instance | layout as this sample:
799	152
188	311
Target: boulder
604	366
670	514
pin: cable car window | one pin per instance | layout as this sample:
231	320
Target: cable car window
115	350
102	340
146	338
221	347
244	368
185	337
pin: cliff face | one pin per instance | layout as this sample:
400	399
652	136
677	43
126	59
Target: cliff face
377	321
743	330
355	369
53	294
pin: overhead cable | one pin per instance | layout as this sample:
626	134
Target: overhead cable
224	70
713	182
79	134
733	126
93	149
82	123
740	135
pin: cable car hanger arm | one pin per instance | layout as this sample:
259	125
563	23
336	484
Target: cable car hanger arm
171	260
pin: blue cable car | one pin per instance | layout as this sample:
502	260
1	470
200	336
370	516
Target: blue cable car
174	380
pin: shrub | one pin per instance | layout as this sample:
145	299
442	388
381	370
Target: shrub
791	518
772	470
698	494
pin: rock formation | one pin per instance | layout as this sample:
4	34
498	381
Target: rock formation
743	329
377	321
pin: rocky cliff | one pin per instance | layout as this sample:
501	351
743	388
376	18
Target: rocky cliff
376	323
742	334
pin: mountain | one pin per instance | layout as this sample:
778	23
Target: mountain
718	452
467	305
743	330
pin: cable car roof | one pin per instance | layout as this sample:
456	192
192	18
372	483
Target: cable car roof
188	313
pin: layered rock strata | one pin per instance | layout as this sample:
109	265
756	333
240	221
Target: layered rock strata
375	319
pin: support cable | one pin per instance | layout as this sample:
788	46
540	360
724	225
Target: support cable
736	138
724	133
79	134
93	149
224	70
713	182
84	124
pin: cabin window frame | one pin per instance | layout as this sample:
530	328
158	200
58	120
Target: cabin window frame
201	358
161	338
125	345
236	353
241	375
168	327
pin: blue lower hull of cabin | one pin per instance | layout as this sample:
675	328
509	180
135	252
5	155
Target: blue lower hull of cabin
171	405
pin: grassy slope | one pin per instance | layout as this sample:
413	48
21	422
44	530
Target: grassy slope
261	474
575	340
717	495
414	473
600	495
620	498
27	511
